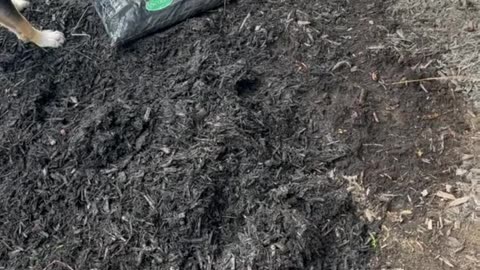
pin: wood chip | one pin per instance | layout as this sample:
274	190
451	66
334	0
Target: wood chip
471	258
445	195
461	172
429	224
459	201
456	225
341	64
453	242
447	262
471	26
370	215
420	245
303	23
376	47
460	249
424	193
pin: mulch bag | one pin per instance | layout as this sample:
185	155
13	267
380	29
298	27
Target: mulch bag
127	20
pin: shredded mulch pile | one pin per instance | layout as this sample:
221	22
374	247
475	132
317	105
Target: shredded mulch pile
213	145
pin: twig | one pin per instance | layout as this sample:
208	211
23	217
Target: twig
438	79
244	22
60	263
78	23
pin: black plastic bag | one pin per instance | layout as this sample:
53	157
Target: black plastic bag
127	20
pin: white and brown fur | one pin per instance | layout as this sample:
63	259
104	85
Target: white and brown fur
13	20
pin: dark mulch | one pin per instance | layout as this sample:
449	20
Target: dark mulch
217	144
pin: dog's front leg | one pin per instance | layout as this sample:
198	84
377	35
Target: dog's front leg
11	19
20	4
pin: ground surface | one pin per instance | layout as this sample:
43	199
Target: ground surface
264	136
446	235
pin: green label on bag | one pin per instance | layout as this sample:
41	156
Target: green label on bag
156	5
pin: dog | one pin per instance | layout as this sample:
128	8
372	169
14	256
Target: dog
13	20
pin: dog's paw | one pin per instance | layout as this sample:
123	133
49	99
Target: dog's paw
49	38
21	4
